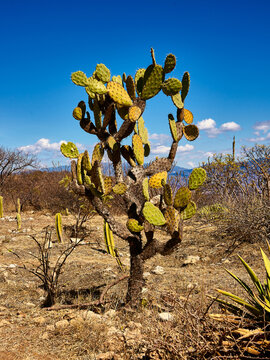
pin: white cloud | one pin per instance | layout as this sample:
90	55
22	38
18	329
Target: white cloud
159	137
209	125
160	149
42	145
230	126
262	126
191	164
185	148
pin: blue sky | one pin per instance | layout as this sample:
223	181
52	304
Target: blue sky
223	44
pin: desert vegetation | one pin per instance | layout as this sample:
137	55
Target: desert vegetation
126	264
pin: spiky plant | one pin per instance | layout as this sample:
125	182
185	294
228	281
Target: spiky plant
257	303
148	200
1	207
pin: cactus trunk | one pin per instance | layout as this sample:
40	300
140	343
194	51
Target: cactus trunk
136	281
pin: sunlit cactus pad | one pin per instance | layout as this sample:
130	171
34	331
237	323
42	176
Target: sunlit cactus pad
153	78
138	149
102	73
134	226
69	150
182	197
119	94
170	63
191	132
196	178
120	188
155	180
153	215
189	211
79	78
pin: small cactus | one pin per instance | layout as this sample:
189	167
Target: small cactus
1	207
58	227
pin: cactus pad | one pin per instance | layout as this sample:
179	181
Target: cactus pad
167	194
107	185
191	132
171	86
153	215
69	150
147	149
119	94
79	78
185	85
131	87
111	142
189	211
134	226
120	188
103	73
196	178
134	113
177	100
128	155
123	112
79	170
95	86
97	154
77	113
155	180
171	218
145	189
86	163
139	80
173	128
153	79
182	198
117	79
188	116
170	63
138	149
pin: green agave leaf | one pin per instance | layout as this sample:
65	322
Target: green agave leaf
266	263
255	311
232	308
253	277
242	283
265	306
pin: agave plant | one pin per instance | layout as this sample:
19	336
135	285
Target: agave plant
257	304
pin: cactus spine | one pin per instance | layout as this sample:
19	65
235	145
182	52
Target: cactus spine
58	227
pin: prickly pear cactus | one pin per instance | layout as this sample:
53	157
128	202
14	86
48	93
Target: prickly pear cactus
117	104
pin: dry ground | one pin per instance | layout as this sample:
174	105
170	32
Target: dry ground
112	331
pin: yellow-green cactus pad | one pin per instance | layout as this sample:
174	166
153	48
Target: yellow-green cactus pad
79	170
171	218
144	136
134	226
170	63
86	163
196	178
131	87
139	80
119	94
153	215
177	100
153	79
103	73
145	189
171	86
96	86
156	179
120	188
191	132
147	149
77	113
107	185
182	197
189	211
111	142
138	148
79	78
167	194
117	79
97	154
188	116
134	113
89	92
185	85
69	150
173	128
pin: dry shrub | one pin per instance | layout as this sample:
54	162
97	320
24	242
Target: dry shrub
40	190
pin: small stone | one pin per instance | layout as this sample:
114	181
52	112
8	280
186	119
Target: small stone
165	316
144	290
110	313
158	270
91	315
50	327
61	324
4	323
30	304
146	274
45	336
76	321
106	356
191	259
39	320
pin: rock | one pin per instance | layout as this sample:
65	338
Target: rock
91	316
158	270
146	274
50	327
110	313
144	290
4	323
192	285
39	320
30	304
76	321
106	356
165	316
61	324
191	259
45	336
